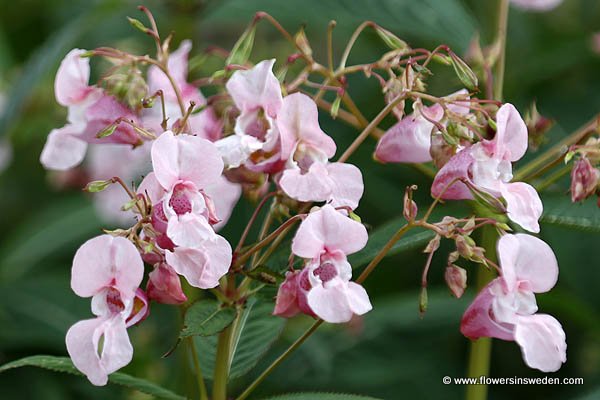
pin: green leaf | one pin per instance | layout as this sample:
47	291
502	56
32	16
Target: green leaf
207	317
558	210
320	396
64	364
254	334
44	233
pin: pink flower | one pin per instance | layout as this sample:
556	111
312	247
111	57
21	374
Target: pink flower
205	123
183	212
584	180
409	140
537	5
506	307
487	165
257	95
90	111
164	286
309	175
323	288
108	269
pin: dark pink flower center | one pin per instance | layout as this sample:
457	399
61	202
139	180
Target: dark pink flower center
180	203
113	301
326	272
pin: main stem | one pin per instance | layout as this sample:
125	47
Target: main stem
481	349
222	365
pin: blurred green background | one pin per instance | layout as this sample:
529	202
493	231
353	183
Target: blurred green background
391	353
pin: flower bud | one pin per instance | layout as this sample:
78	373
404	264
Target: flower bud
410	209
456	279
464	72
584	180
97	186
164	286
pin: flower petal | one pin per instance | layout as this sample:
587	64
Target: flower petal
314	185
188	230
187	158
358	299
330	303
527	258
328	229
542	341
511	134
523	205
107	261
477	320
71	82
408	141
298	120
203	265
347	185
457	167
226	195
63	149
286	303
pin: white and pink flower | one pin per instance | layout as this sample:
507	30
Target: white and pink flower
487	165
323	287
506	308
109	270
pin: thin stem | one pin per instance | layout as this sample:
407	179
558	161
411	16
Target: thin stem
199	377
155	33
264	229
556	175
330	27
501	41
388	246
252	220
351	43
279	360
372	125
556	151
273	235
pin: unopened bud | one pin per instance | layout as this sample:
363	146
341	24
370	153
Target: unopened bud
456	279
106	132
391	40
584	180
433	244
464	72
423	301
410	209
302	42
97	186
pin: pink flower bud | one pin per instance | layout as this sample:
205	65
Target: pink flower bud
164	286
456	279
410	207
286	305
584	180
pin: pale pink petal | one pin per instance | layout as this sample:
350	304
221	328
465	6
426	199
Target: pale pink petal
542	341
358	299
63	149
537	5
225	195
202	266
152	188
444	184
107	261
83	341
286	303
188	230
71	82
459	107
314	185
511	134
328	229
347	184
477	320
185	157
236	149
523	205
330	303
206	125
408	141
104	112
527	258
256	87
140	309
298	120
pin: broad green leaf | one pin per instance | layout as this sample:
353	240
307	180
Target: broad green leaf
256	331
44	233
320	396
64	364
447	21
206	317
558	210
